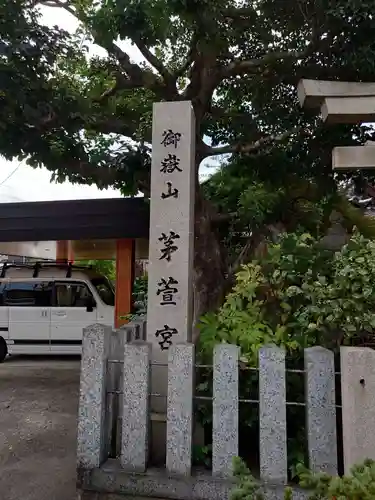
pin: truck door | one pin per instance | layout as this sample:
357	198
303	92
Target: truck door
29	304
74	308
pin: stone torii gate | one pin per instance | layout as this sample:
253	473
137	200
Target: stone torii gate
347	103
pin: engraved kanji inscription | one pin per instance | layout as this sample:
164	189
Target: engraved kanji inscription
170	246
165	334
170	138
170	164
171	192
167	289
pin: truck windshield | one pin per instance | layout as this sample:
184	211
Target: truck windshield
105	290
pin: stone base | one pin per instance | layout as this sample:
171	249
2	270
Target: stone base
110	479
93	495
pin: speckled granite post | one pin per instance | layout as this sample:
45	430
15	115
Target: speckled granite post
180	408
321	410
91	445
135	330
144	328
135	410
142	322
358	404
272	415
131	331
225	409
130	334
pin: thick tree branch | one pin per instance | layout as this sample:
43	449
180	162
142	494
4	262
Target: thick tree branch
220	113
238	67
132	69
152	59
127	128
134	72
121	83
137	77
165	87
110	91
250	148
243	256
126	125
241	67
191	55
169	79
57	3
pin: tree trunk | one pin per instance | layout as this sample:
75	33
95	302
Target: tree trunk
209	263
213	276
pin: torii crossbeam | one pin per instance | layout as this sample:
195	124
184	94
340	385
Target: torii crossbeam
343	102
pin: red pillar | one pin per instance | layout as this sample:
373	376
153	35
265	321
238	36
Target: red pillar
125	256
64	251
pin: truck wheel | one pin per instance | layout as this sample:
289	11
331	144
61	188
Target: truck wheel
3	350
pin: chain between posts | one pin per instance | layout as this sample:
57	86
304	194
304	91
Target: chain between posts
210	398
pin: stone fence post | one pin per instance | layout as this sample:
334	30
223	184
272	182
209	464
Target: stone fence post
180	408
358	404
321	410
225	408
91	435
272	415
135	407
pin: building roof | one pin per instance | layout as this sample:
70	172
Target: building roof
74	220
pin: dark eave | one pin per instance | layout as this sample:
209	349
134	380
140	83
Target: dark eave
74	220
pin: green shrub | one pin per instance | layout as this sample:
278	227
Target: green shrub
359	485
247	487
299	295
139	297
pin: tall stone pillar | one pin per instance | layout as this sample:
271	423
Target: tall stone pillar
170	287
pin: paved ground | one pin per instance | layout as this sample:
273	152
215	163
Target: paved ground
38	408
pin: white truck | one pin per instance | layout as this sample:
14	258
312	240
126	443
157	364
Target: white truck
45	306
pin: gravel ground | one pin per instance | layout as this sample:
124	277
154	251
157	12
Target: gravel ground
38	411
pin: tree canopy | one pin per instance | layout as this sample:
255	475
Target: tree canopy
88	119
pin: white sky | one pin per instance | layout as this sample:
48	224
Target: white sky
28	184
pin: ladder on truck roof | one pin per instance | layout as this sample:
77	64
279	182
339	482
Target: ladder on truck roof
37	266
